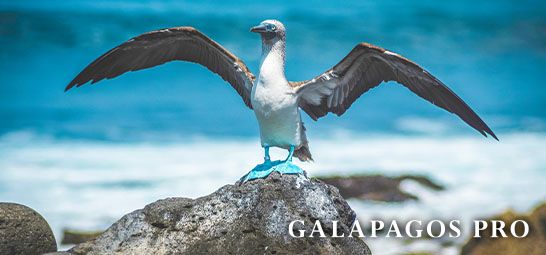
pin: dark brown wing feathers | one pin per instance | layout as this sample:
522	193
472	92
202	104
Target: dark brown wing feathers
367	66
161	46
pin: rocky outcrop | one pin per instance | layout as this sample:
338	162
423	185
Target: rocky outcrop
252	218
533	244
377	187
24	231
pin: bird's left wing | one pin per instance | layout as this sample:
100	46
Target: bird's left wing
366	67
161	46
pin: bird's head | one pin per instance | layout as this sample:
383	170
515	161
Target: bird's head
270	29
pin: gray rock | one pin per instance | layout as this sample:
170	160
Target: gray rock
24	231
252	218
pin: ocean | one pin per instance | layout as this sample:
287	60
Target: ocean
86	157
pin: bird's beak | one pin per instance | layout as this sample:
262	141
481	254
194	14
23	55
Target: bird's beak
259	29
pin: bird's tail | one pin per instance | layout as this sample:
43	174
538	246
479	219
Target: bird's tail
303	153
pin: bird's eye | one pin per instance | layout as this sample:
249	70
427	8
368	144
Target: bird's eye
271	27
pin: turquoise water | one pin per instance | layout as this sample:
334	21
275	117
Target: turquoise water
492	53
86	157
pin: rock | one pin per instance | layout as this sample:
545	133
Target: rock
377	187
76	236
24	231
533	244
252	218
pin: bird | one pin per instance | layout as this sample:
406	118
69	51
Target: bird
277	102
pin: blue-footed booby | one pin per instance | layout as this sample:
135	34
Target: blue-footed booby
275	100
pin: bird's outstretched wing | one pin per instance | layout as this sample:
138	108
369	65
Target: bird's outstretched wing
161	46
366	67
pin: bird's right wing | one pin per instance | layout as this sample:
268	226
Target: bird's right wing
161	46
367	66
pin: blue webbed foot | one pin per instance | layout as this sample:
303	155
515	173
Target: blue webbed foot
261	171
287	167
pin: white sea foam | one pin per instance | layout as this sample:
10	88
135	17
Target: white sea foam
90	184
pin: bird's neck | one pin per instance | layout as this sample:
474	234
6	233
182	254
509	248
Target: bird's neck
272	62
